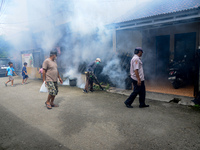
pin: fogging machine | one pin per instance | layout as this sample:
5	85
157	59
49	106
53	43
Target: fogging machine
92	75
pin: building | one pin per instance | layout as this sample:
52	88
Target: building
166	30
48	22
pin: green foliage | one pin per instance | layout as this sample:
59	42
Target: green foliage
196	107
97	87
4	47
3	54
107	87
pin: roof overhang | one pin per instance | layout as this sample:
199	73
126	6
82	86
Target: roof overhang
182	17
28	51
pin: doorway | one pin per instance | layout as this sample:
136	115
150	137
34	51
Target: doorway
184	49
185	44
162	55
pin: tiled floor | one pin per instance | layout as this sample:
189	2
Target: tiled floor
167	88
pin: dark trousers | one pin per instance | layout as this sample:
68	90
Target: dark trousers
137	90
89	82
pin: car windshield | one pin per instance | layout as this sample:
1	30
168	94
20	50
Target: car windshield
4	62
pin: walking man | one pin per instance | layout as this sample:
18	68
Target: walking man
137	75
50	77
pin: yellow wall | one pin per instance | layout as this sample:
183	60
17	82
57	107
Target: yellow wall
33	73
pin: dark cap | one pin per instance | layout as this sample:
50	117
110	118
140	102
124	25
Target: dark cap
53	53
139	49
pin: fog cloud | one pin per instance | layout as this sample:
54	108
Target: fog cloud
85	39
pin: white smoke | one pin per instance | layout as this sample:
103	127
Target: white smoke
117	76
93	40
85	39
73	74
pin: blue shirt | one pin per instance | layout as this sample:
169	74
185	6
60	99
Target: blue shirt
24	70
10	71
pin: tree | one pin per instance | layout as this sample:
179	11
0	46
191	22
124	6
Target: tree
4	47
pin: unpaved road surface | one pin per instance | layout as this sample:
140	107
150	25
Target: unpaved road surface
94	121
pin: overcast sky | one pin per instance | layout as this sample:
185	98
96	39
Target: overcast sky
14	17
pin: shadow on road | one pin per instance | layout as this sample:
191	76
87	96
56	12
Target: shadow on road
17	134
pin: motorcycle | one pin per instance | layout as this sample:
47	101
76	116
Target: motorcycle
178	73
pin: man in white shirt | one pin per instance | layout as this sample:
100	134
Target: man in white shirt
137	75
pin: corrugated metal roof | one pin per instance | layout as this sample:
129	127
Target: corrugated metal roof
158	7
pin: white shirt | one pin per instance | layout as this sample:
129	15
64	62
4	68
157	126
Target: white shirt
136	64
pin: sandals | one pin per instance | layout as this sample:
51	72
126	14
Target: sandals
54	105
48	106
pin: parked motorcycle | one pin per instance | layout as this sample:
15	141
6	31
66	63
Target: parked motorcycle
178	73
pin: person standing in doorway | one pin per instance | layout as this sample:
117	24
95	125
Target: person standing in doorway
137	75
50	77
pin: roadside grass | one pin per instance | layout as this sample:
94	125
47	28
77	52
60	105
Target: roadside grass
196	107
97	87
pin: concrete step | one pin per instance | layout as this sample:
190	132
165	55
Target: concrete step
182	100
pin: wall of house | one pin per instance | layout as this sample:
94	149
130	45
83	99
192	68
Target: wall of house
149	47
149	41
127	40
172	30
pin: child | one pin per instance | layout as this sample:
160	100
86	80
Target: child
9	72
24	73
41	71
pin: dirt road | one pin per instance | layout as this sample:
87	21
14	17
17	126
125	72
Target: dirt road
94	121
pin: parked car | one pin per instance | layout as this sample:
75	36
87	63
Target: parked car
3	66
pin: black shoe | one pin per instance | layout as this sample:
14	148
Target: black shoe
143	106
91	90
128	106
85	91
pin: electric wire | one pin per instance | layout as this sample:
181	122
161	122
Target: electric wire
4	8
2	1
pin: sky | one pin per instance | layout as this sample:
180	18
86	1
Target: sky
14	17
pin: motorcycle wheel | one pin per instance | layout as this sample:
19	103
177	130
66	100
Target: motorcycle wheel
175	85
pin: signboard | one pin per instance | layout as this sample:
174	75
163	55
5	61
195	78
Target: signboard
27	58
